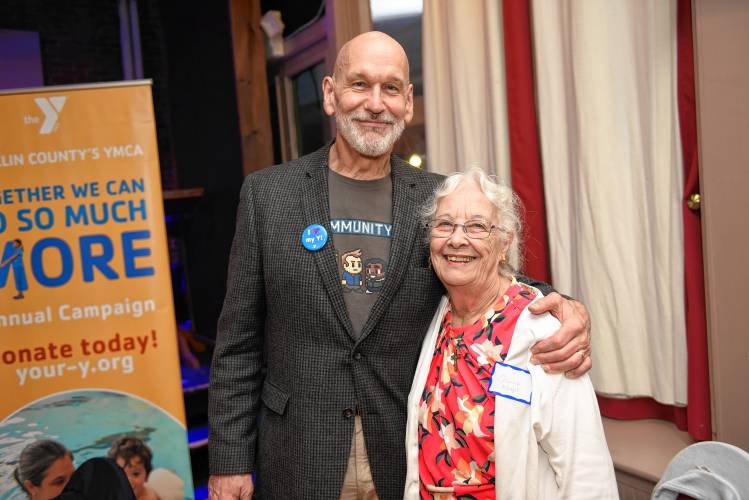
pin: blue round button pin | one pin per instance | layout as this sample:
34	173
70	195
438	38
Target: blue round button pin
314	237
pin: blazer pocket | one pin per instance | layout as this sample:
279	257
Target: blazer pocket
274	398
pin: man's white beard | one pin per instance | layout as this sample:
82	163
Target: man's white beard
370	142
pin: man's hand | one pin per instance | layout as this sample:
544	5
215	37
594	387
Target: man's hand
568	350
238	487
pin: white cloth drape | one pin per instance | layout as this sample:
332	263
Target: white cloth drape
464	90
606	87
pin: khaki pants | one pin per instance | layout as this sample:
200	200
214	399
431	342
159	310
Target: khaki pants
358	484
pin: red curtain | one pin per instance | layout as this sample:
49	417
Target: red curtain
527	181
698	412
525	151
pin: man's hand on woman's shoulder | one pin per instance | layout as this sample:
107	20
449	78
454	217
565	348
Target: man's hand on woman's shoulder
568	350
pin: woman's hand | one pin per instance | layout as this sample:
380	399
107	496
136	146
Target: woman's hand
568	350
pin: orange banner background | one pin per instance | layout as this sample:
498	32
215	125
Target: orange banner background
102	140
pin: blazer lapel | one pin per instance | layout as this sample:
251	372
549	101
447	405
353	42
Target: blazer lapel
405	229
316	206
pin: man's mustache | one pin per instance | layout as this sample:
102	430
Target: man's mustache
386	119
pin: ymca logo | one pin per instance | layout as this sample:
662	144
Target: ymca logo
51	107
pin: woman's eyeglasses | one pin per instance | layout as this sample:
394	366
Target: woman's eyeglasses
475	229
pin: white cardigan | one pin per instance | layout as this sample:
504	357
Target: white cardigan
551	449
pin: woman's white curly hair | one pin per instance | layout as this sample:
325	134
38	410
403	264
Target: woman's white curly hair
507	211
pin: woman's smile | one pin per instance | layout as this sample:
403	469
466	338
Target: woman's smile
463	259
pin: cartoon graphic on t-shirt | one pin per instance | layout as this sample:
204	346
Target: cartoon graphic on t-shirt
374	275
352	271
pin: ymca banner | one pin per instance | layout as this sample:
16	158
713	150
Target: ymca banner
88	346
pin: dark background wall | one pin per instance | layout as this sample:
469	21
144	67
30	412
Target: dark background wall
80	39
187	53
204	124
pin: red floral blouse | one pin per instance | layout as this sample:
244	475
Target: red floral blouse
456	413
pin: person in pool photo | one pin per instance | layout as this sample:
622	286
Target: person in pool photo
19	273
135	457
44	468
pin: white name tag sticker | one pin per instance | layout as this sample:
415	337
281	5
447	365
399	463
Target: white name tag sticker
511	382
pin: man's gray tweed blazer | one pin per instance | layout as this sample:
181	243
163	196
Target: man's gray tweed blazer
288	373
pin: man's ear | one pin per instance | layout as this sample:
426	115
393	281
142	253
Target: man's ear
328	92
409	103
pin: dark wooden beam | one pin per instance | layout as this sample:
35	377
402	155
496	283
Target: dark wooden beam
251	85
345	19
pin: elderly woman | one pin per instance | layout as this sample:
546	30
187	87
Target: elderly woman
483	422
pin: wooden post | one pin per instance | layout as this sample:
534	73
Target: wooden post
251	85
344	20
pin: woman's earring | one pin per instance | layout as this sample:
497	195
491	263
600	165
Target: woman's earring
429	262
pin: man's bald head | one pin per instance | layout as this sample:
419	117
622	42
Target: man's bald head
368	45
369	94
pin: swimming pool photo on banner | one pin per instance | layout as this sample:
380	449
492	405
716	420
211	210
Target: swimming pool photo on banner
87	422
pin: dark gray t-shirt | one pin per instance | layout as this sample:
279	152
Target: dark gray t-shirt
361	217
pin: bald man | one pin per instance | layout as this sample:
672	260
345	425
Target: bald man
312	367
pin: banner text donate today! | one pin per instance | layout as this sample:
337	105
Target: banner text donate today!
53	360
